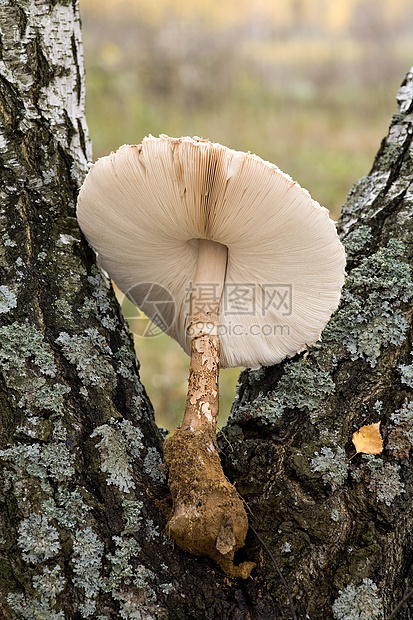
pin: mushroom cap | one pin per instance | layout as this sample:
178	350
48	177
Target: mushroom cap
144	207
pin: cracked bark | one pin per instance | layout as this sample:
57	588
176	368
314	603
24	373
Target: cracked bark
81	532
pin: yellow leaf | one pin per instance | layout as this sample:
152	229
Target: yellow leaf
368	439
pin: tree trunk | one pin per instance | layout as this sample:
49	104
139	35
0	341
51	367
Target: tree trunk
339	529
82	492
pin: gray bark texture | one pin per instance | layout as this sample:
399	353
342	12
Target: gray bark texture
82	491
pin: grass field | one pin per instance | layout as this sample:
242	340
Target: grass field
308	88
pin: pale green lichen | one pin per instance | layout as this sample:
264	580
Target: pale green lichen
133	437
64	308
8	300
132	513
114	458
58	461
88	308
385	479
126	362
265	407
51	397
60	432
335	515
285	547
120	442
356	240
22	343
30	608
75	173
384	273
85	352
404	415
367	324
50	583
99	305
358	602
153	465
38	539
48	176
367	340
37	382
67	508
109	323
128	582
166	588
138	400
121	569
390	154
303	386
255	375
152	529
23	458
332	465
100	290
35	427
406	371
87	565
400	438
138	605
7	242
42	461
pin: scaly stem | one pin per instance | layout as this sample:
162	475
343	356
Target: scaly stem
208	516
202	402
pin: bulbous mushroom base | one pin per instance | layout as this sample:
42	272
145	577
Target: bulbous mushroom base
208	516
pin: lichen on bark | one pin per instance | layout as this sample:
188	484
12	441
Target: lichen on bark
299	454
65	372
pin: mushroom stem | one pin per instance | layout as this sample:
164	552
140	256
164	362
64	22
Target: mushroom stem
209	279
202	403
208	516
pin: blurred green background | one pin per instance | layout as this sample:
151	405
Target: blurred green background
306	84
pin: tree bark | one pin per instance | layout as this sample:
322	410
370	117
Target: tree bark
341	529
82	491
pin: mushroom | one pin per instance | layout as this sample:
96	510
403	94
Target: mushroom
246	270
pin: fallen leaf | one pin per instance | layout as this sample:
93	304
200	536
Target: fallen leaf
368	439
